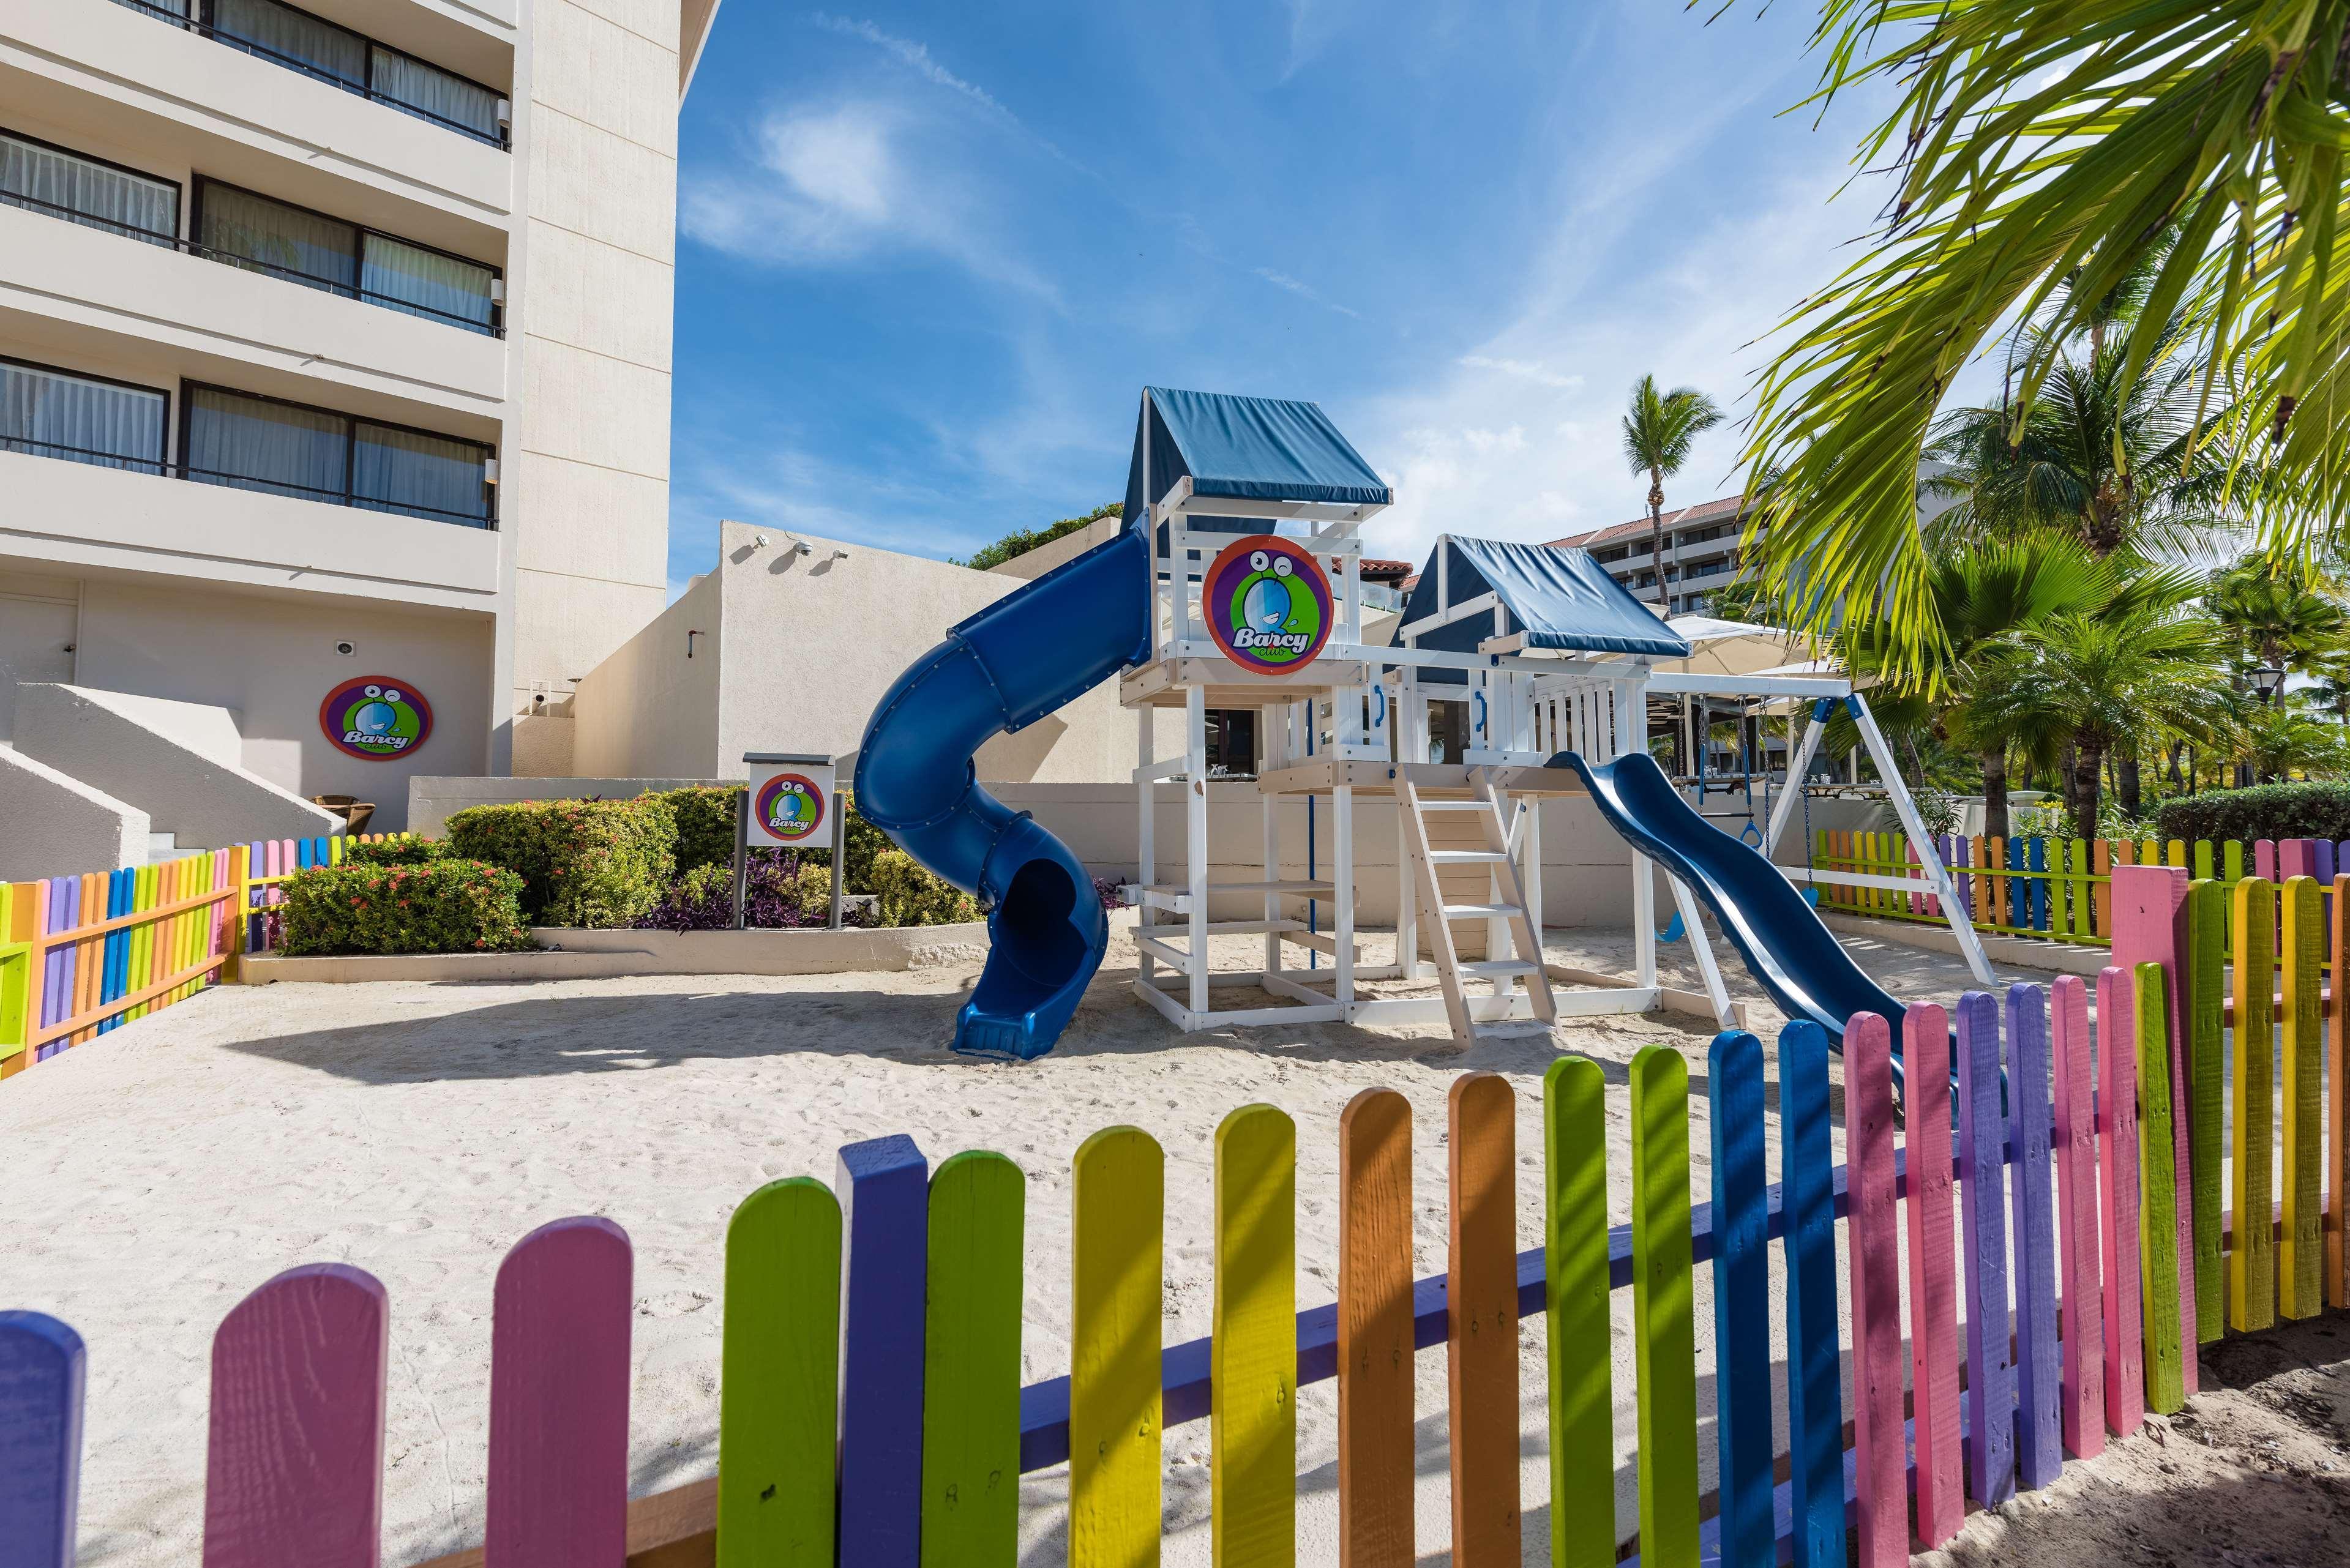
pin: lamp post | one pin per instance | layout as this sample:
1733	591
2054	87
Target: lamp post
2268	679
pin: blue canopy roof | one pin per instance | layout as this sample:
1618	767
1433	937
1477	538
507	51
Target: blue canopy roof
1560	598
1249	448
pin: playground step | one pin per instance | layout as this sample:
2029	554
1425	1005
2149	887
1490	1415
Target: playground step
1467	856
1491	911
1495	969
1454	805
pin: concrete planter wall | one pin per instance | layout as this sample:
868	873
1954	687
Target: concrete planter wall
572	953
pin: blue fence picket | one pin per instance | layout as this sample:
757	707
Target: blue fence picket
884	1186
1741	1299
41	1371
1814	1394
1983	1181
2039	1353
2038	850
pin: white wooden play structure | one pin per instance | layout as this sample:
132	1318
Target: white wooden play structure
1545	652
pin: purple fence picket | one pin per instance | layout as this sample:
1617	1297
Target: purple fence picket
293	1469
559	1492
884	1189
1982	1190
2077	1173
2117	1200
42	1366
2039	1450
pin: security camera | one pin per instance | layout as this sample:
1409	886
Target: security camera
758	540
346	648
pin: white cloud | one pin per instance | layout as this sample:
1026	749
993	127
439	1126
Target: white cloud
1524	369
840	183
1303	290
917	58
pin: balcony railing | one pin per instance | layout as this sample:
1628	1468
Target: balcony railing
250	263
101	459
484	126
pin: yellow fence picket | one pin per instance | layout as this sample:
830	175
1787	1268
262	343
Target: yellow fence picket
1117	1283
1253	1435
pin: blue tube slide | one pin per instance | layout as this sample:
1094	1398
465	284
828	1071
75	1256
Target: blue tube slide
1794	956
1010	665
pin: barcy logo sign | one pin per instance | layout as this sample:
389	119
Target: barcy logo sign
376	718
1268	604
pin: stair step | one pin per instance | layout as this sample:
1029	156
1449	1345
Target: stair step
1496	968
1453	805
1467	911
1466	856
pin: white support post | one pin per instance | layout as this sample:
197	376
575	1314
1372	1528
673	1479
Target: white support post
1272	857
1792	797
1146	869
1195	836
1342	892
1929	857
1530	874
1693	922
1631	725
1411	746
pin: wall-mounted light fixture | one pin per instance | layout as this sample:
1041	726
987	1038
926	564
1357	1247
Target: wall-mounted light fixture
689	641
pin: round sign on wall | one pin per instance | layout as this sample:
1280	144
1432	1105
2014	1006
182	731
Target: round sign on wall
1268	604
376	717
789	806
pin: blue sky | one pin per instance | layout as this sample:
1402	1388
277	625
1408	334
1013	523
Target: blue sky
929	254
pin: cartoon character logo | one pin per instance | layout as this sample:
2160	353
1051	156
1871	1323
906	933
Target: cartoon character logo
1267	605
376	718
790	806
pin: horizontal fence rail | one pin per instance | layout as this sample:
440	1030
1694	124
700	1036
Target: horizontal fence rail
83	956
2057	1184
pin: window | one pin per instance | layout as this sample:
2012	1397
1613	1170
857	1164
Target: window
249	442
320	49
256	233
44	179
1231	743
82	418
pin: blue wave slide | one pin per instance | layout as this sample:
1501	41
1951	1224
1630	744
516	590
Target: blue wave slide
1794	956
1002	669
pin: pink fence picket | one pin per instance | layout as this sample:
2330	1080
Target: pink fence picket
1881	1471
1933	1275
293	1471
2117	1203
2078	1223
559	1492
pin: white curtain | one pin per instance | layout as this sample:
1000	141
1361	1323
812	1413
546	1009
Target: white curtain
249	444
412	83
49	414
292	36
261	235
90	193
419	475
425	282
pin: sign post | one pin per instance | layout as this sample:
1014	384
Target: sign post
789	802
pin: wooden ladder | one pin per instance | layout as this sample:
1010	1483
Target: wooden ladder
1506	893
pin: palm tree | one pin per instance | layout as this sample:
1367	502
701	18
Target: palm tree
2125	676
1984	595
2043	154
2115	462
1659	429
2277	615
2275	741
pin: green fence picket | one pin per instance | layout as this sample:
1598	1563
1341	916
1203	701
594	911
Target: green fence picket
1663	1310
2206	1035
1574	1235
971	1402
2157	1214
779	1378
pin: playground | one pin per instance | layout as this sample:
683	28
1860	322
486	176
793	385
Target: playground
416	1130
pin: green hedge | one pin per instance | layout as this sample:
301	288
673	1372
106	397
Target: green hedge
2264	811
448	905
582	862
405	850
912	896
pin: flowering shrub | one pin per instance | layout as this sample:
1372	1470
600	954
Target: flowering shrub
784	891
405	850
582	862
448	905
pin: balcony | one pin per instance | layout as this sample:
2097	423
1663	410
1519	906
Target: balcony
146	81
238	441
341	59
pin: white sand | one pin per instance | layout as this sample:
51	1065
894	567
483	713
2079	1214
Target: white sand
416	1131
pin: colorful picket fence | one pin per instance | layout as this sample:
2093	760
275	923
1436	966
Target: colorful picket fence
2054	890
871	1413
83	956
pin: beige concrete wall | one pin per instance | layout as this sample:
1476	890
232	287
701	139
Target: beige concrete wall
81	828
600	90
648	711
813	641
433	800
1067	547
271	660
108	744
